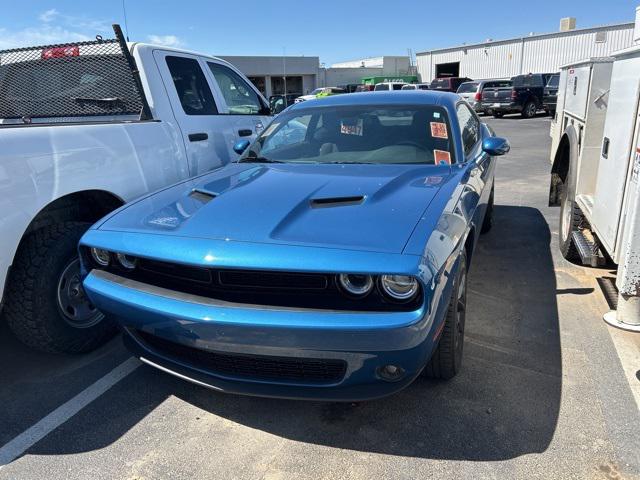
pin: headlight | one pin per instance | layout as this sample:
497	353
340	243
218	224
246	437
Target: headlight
126	261
399	287
100	256
358	285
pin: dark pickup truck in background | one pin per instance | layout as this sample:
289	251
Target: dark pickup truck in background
525	96
550	95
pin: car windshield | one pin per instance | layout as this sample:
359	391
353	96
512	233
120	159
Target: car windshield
316	91
441	83
554	81
381	86
377	134
469	87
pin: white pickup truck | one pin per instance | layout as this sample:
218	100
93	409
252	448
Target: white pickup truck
85	128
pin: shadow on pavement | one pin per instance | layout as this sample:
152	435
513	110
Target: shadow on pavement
503	404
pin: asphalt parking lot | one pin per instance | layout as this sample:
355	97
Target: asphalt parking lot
547	389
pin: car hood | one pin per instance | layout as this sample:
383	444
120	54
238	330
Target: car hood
360	207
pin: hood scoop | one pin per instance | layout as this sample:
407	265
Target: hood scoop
202	195
336	201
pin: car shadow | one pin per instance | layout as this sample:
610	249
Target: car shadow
503	404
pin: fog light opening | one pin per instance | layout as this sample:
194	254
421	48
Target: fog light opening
391	373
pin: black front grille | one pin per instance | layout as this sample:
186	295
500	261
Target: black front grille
257	367
256	287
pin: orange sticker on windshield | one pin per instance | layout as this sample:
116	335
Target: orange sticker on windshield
439	130
442	157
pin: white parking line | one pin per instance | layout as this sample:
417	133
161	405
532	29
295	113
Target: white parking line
64	412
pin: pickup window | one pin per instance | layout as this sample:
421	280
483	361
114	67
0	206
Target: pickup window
191	85
528	81
240	97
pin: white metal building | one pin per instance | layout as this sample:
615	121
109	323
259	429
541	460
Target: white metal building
534	53
268	73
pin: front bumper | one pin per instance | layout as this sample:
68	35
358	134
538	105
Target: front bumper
363	341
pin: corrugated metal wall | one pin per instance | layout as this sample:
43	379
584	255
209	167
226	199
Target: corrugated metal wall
529	54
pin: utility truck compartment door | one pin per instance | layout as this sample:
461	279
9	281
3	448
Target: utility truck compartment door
614	171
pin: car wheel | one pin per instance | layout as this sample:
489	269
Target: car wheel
529	109
45	306
446	360
571	218
488	216
498	114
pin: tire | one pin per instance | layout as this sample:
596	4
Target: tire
446	360
571	219
45	304
488	216
530	109
498	114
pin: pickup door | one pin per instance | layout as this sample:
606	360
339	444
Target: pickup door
212	111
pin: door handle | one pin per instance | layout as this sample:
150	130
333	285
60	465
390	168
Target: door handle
245	132
198	137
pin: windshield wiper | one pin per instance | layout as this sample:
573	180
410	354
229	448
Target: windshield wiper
258	160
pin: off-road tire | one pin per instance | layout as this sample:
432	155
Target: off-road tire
446	360
488	216
32	310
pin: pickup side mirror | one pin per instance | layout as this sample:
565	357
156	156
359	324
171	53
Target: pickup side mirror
496	146
241	146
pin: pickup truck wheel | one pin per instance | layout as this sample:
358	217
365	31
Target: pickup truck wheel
529	110
488	216
498	114
46	307
446	360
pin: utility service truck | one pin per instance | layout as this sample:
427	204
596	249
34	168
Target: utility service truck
595	158
85	128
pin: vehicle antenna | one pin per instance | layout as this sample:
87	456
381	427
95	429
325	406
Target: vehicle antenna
124	12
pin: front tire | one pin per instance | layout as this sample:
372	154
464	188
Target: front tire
446	360
488	216
46	307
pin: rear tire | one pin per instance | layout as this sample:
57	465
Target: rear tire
498	114
446	360
45	304
530	109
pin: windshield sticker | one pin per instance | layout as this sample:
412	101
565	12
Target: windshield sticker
439	130
270	129
442	157
351	127
436	114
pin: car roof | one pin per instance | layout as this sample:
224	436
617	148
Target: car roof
398	97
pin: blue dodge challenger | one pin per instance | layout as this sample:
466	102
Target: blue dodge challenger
329	262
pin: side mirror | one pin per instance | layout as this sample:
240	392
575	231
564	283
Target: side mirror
496	146
241	146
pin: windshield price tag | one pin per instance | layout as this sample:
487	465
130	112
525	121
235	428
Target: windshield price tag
439	130
442	157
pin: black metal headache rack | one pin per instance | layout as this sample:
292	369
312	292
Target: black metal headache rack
83	79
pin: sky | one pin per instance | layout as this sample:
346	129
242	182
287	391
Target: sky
334	31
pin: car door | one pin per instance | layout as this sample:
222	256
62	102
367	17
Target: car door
204	131
479	176
242	104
